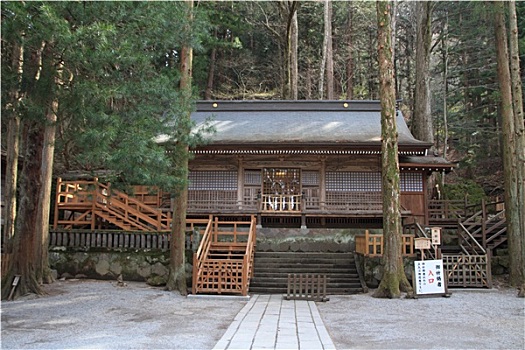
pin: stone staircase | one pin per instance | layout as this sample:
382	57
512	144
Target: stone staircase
271	269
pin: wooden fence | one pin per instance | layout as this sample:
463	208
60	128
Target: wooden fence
120	239
306	287
468	270
110	240
371	244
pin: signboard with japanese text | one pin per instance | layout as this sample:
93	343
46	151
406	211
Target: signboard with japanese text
429	277
436	235
422	243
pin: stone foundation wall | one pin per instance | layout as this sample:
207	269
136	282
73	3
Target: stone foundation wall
306	239
149	266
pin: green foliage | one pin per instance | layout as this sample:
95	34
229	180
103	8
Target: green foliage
467	43
465	187
119	85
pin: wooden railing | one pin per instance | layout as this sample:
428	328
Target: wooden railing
483	230
132	210
371	244
468	270
306	287
81	203
224	260
110	240
447	210
118	239
335	202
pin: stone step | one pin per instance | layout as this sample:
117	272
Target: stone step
286	261
329	291
271	269
273	273
302	254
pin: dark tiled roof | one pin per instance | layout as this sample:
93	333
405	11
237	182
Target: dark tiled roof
298	123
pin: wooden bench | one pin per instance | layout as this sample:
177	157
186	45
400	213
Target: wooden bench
306	287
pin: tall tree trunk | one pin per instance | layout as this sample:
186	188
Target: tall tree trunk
327	37
211	72
444	43
289	11
371	78
514	149
177	276
29	259
13	146
46	174
517	93
329	51
422	127
308	83
349	57
294	65
394	279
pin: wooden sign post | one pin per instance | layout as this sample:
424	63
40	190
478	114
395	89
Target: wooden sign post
422	243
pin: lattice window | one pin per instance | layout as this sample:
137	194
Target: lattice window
281	181
353	181
310	178
411	182
252	177
212	180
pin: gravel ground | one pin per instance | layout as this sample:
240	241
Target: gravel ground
468	319
87	314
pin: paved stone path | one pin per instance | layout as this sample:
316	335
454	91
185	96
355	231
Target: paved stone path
271	322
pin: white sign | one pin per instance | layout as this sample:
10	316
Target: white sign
436	235
429	277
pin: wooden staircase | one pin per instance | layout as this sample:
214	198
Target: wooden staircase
480	229
484	230
92	205
223	263
271	271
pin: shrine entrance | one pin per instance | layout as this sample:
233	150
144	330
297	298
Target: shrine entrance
281	190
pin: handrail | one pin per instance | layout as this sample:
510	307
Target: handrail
202	252
142	210
240	271
91	197
472	239
497	227
248	257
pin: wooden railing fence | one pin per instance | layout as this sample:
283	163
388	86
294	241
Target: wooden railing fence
306	287
468	270
119	239
371	244
224	260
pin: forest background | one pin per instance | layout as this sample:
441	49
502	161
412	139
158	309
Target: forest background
119	70
98	81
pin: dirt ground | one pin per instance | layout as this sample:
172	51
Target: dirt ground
87	314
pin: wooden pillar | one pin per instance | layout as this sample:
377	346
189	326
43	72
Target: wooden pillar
240	182
57	199
322	183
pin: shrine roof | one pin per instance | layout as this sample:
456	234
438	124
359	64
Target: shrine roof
278	123
298	122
